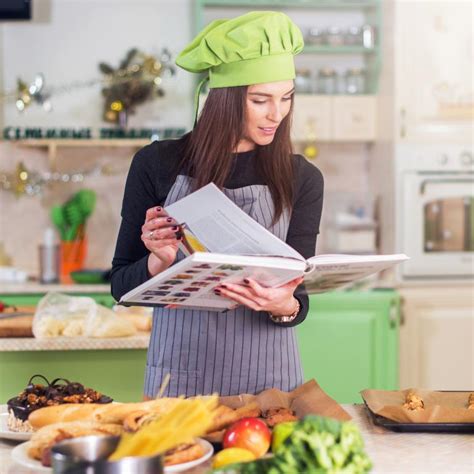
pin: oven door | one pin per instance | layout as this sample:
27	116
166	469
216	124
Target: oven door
438	224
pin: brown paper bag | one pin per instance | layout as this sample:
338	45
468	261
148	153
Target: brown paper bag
439	407
306	399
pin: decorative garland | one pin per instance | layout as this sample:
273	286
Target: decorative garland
35	133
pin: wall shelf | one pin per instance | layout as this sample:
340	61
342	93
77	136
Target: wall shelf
112	142
52	145
323	4
371	11
325	49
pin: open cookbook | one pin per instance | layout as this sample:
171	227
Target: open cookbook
223	244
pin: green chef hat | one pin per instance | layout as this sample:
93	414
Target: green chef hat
253	48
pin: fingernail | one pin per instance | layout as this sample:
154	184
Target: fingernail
223	286
178	235
175	227
217	291
158	209
168	219
246	280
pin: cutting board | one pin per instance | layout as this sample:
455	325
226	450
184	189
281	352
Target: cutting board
20	326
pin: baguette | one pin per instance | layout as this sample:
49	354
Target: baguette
62	413
110	413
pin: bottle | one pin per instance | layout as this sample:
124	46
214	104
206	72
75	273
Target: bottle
49	258
368	36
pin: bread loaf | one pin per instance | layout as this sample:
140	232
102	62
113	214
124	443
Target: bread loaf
110	413
62	413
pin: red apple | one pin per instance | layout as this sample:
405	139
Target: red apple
248	433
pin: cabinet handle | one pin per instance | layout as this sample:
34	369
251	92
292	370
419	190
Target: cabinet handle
402	312
393	316
403	127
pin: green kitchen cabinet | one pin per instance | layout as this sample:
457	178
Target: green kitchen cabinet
116	372
119	373
32	299
349	342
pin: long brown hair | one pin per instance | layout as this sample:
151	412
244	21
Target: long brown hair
209	150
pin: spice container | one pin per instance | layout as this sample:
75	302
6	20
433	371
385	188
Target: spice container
335	36
354	81
303	81
327	81
316	36
353	36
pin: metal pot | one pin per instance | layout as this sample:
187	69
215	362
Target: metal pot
88	455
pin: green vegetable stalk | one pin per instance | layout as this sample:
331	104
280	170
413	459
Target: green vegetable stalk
315	445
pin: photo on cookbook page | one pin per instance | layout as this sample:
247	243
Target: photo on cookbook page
190	283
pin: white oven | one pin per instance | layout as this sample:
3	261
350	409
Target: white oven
436	213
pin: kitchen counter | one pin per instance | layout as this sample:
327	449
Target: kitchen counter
35	287
390	452
11	344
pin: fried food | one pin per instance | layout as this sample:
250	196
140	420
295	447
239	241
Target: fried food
183	453
251	410
273	416
413	402
470	402
225	416
135	420
43	440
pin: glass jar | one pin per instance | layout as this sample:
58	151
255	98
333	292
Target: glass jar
316	36
353	36
354	81
335	36
327	81
303	81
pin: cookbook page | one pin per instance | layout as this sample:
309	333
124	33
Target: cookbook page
222	227
191	282
328	272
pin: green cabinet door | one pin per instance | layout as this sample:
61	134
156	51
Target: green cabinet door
119	373
32	299
349	342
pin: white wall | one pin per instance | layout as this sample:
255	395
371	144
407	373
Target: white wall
67	39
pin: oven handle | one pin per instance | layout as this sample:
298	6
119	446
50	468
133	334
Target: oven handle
443	181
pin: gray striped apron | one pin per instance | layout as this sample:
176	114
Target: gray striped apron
238	351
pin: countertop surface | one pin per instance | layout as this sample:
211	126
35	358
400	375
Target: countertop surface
36	287
15	344
390	452
32	287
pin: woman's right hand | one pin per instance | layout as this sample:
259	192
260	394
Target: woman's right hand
160	234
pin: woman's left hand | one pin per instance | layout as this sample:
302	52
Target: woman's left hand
278	301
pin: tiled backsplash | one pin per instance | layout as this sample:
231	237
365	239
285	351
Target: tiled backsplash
23	219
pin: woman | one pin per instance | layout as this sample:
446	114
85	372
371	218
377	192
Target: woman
241	142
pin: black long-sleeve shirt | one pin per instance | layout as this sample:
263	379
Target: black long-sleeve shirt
149	181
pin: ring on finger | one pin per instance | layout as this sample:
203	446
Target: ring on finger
150	235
